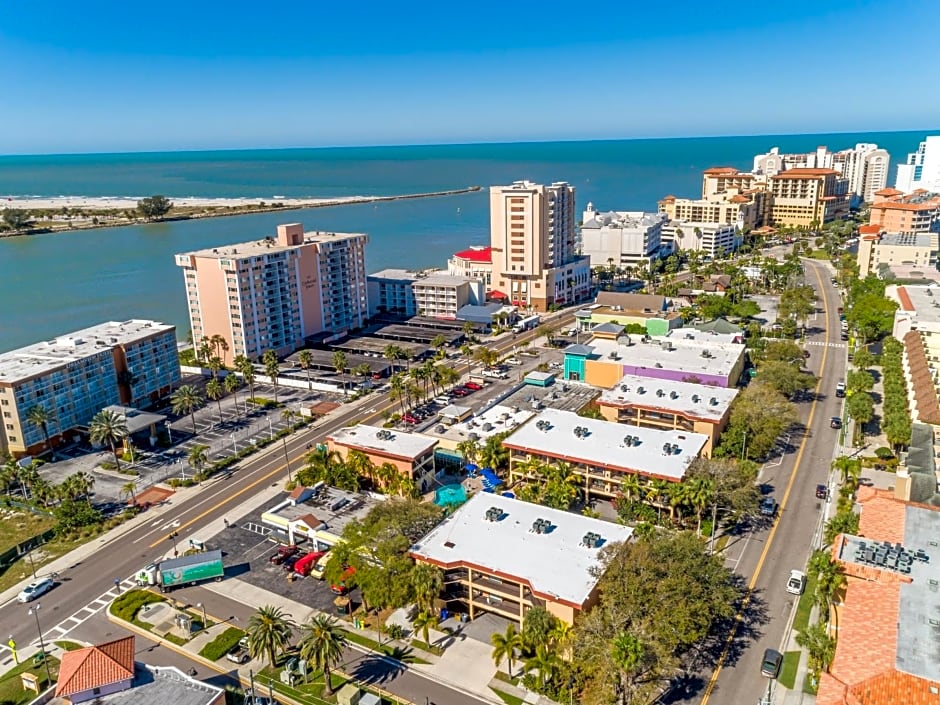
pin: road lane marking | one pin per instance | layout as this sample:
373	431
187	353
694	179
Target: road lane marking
739	617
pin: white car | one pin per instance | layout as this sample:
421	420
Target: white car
35	589
796	583
512	361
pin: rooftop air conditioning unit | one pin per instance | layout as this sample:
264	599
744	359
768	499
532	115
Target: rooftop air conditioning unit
660	393
696	398
713	401
673	395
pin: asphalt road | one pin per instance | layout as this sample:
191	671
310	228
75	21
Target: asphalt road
731	671
87	580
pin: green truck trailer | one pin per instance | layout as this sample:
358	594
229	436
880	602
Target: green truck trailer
186	570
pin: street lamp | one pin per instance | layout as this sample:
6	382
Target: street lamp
287	459
34	611
169	432
205	623
234	444
172	537
271	428
31	563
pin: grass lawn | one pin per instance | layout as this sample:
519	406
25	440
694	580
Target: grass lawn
127	606
68	645
405	655
787	677
507	698
218	647
21	569
311	692
801	621
505	678
11	691
22	525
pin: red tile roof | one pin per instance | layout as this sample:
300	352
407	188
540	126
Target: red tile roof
96	666
476	254
298	492
869	229
905	298
724	171
921	382
888	192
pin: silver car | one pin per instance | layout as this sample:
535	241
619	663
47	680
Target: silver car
35	589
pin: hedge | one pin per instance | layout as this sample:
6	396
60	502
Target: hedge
222	644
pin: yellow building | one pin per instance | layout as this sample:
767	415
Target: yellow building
504	556
807	197
744	209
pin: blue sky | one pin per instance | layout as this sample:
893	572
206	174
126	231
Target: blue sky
103	75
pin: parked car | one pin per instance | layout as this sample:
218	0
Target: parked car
283	553
835	422
768	506
409	418
513	361
36	589
796	583
341	588
291	561
473	386
461	392
238	654
770	664
822	492
495	374
442	400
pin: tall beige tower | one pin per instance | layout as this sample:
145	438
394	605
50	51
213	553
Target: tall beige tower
272	293
532	235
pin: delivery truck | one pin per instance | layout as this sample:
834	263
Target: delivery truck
185	570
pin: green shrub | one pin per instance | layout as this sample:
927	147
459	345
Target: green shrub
127	606
264	403
222	644
884	453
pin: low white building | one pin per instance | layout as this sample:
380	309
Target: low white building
714	239
432	293
628	238
476	262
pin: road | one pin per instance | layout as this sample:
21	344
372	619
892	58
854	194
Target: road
87	585
766	555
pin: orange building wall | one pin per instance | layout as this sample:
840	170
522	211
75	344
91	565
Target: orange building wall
214	303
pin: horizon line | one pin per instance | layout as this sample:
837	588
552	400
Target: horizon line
480	143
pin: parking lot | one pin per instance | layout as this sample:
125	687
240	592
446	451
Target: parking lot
246	552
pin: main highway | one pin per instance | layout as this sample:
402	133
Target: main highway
764	557
121	554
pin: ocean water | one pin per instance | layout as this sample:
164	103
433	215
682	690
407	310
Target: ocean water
50	284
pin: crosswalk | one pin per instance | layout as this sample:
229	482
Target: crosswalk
823	344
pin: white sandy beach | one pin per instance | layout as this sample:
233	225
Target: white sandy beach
130	202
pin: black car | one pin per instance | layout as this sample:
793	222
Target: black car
822	492
768	506
835	422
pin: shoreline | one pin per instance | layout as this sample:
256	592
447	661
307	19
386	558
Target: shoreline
89	208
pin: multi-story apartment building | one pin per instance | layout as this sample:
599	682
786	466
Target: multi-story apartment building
714	239
532	232
864	167
132	363
475	262
411	454
894	212
272	293
902	255
720	179
442	295
807	197
624	238
922	168
744	210
390	292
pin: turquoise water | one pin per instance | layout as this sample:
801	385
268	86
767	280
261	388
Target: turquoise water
54	283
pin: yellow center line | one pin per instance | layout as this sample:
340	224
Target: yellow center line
739	617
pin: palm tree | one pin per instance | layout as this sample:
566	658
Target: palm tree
439	343
288	416
247	371
40	417
545	661
561	635
631	487
467	351
322	642
339	364
701	493
231	385
198	457
469	449
305	360
109	428
186	400
393	353
214	365
850	468
829	579
507	646
427	581
424	622
272	367
81	483
215	391
362	370
269	631
820	647
129	489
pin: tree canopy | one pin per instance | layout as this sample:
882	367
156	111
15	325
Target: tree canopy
154	207
758	418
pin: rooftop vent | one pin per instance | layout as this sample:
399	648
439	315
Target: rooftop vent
624	388
673	395
640	390
696	398
494	514
713	401
543	426
541	526
660	393
659	365
670	449
630	441
591	540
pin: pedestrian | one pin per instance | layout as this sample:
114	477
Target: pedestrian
117	584
226	522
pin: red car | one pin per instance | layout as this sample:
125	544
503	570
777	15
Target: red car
283	553
342	588
461	392
408	418
475	386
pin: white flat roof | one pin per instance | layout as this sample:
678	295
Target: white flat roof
554	564
685	355
39	358
397	275
383	440
684	398
603	445
924	299
496	419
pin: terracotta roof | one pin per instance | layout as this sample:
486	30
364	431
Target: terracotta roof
96	666
869	229
476	254
670	197
722	171
310	520
931	205
803	173
922	385
298	492
888	192
739	199
905	298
